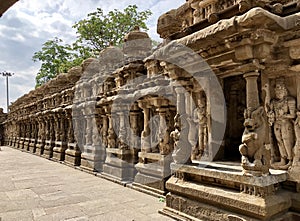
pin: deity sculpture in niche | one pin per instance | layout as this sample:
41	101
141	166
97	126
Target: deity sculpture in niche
199	121
281	114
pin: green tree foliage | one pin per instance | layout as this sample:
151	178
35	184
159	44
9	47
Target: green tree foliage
52	56
95	33
98	30
57	57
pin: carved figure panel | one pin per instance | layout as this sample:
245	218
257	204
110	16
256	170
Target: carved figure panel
281	116
199	128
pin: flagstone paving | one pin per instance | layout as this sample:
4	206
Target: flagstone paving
34	188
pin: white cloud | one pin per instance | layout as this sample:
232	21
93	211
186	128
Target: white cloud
28	24
18	37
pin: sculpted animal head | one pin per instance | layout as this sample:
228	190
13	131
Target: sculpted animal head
254	119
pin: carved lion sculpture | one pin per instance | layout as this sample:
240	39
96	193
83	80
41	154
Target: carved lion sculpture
255	157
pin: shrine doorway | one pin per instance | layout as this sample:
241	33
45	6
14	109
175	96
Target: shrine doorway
235	97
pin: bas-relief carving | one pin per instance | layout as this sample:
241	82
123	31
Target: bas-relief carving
281	116
199	128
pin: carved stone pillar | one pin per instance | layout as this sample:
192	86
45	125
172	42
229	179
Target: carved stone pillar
63	127
145	138
34	132
134	118
56	126
60	137
111	139
50	141
164	132
27	134
154	167
104	130
119	163
252	94
182	147
22	134
122	138
255	157
93	155
18	129
41	135
88	130
73	153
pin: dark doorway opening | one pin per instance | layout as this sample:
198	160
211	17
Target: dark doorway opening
235	96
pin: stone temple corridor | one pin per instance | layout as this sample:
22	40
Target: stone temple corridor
208	122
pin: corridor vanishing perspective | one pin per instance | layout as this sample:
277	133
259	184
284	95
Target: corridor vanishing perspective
208	121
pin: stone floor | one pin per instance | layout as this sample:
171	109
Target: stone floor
33	188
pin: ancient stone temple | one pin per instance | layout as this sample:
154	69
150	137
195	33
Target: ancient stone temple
2	120
210	118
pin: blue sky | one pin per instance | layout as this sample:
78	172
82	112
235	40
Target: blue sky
29	23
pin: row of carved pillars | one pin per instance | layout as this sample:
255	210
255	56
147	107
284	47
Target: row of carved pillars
56	126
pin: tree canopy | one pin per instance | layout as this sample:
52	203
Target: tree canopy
98	30
94	33
52	55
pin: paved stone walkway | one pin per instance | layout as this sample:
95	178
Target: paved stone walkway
34	188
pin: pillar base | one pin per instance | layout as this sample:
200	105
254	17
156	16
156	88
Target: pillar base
183	208
72	155
15	142
26	144
59	150
20	144
40	147
48	149
93	158
10	141
119	165
32	145
153	171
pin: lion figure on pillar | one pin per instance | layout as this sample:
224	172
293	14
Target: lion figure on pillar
255	157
